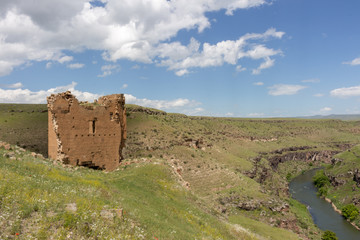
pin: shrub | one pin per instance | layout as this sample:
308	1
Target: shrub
350	212
320	179
323	191
288	177
329	235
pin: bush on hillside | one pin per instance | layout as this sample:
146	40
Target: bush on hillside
322	182
350	212
329	235
320	179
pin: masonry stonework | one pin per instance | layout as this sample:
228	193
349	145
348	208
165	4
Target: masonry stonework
83	134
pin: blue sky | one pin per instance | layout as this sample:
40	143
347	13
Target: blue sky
239	58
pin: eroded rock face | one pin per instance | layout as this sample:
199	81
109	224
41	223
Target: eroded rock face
309	156
91	135
356	177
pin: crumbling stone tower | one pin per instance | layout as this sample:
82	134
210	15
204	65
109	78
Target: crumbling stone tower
87	134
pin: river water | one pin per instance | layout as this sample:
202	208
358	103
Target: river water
324	216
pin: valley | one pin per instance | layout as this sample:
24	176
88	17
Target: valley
183	177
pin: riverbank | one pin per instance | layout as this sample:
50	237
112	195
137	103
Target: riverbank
339	211
303	190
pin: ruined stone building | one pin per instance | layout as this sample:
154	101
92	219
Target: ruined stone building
87	134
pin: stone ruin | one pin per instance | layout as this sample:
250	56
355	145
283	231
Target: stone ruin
87	134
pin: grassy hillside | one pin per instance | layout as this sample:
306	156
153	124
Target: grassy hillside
25	125
343	175
182	178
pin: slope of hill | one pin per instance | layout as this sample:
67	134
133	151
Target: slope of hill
183	177
344	117
344	180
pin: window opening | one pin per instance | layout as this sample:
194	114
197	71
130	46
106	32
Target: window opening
92	127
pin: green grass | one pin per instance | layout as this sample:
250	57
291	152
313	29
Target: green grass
262	229
35	195
155	203
343	171
304	219
25	125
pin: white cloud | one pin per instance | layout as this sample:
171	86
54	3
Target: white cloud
240	68
135	30
191	111
26	96
346	92
161	104
48	65
182	72
135	67
124	86
256	115
75	65
318	95
179	57
312	80
267	64
258	83
325	110
285	89
109	69
229	114
65	59
14	85
354	62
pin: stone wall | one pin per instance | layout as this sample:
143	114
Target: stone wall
87	134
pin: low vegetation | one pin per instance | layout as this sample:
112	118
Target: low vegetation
329	235
42	200
322	182
350	212
343	188
182	178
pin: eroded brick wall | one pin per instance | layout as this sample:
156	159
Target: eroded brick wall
90	135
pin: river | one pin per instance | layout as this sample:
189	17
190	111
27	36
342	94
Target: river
324	216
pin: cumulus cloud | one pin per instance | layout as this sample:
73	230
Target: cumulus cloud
136	67
180	58
346	92
182	72
14	85
20	95
256	115
267	64
240	68
75	65
354	62
191	111
325	110
136	30
65	59
161	104
108	70
258	83
285	89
